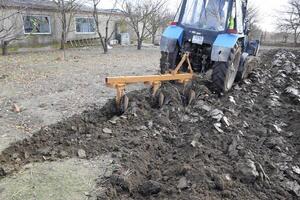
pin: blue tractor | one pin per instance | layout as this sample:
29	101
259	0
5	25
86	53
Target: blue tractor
206	35
215	34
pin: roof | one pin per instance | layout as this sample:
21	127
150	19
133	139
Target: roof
117	11
35	4
50	5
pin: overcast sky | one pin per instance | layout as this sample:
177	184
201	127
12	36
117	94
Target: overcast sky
267	9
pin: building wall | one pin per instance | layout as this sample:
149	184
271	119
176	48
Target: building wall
72	35
55	23
34	39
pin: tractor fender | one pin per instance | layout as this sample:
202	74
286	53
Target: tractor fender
222	46
253	47
242	62
172	36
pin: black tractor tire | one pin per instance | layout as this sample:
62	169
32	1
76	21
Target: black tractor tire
250	63
168	61
224	73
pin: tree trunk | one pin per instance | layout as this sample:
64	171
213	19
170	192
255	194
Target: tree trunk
285	39
295	37
153	38
139	44
64	29
4	46
105	48
62	41
103	42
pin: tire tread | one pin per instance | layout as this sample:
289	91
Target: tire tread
220	70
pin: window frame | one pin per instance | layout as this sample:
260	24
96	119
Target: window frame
32	33
84	33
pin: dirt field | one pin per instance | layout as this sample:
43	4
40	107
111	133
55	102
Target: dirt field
48	90
242	145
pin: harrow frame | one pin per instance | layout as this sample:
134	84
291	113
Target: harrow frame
120	82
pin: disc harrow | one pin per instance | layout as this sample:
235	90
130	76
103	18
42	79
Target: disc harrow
155	81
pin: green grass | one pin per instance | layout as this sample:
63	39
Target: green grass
15	48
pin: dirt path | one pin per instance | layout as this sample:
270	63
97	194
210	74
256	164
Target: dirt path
242	145
48	89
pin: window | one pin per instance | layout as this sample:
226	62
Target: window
240	17
85	25
177	16
37	25
208	15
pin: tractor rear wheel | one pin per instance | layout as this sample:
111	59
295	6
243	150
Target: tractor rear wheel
250	63
169	61
224	73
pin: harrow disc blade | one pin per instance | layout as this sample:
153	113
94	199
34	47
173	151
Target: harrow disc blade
161	99
124	102
158	100
191	97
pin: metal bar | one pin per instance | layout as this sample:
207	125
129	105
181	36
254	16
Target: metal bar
183	59
120	93
189	65
113	81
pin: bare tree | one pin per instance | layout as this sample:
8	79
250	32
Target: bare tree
158	20
66	8
138	13
104	39
252	20
10	27
285	36
252	15
289	19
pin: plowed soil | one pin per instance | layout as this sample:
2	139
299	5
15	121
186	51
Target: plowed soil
240	145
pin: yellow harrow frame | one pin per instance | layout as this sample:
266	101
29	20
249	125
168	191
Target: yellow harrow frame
120	82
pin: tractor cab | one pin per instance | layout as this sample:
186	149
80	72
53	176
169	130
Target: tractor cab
208	15
203	20
214	33
212	15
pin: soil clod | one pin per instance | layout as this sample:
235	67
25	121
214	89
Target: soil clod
81	153
182	183
149	188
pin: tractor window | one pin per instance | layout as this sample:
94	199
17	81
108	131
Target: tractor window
178	13
206	14
239	16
